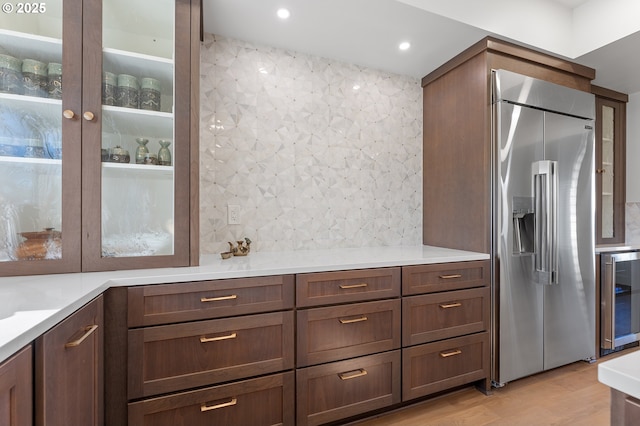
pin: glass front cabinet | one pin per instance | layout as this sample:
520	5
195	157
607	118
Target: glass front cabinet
610	166
98	135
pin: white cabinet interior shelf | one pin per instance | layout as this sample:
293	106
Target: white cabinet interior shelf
24	45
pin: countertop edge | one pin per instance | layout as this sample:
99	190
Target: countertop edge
69	292
622	374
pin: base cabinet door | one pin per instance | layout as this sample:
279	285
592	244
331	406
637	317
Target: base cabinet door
16	389
263	401
68	369
342	389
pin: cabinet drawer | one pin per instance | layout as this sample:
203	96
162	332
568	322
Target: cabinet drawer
180	356
338	332
326	288
445	276
342	389
263	401
434	367
438	316
171	303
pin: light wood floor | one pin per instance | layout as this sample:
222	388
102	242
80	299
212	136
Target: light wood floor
570	395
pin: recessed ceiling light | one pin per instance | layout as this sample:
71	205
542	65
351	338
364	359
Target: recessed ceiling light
405	45
283	13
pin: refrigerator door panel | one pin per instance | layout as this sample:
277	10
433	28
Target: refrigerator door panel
569	305
520	334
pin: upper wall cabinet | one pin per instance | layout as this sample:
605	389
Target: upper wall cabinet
98	135
610	165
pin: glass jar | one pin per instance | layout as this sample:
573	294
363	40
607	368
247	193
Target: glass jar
10	75
150	94
34	78
54	80
127	93
109	87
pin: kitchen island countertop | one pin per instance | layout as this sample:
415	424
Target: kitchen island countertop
622	374
30	305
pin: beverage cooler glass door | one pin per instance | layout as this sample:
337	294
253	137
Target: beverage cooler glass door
620	314
35	233
137	156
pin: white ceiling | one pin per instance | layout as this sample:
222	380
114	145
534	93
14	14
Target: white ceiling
601	34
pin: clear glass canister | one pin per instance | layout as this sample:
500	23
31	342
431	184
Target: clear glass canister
127	94
109	88
10	75
54	82
150	94
34	78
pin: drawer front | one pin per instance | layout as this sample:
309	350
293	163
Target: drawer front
263	401
171	303
435	367
346	331
181	356
342	389
445	276
438	316
347	286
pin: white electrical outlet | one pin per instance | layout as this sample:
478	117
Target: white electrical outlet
233	214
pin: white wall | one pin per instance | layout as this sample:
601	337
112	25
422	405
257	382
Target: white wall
317	153
632	212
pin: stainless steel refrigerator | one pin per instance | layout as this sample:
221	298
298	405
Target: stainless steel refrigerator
543	226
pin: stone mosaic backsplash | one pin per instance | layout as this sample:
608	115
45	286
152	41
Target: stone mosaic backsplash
317	153
632	226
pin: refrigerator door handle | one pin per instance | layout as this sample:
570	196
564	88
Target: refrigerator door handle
545	194
608	338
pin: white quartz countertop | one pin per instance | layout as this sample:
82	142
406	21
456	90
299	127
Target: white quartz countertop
30	305
622	373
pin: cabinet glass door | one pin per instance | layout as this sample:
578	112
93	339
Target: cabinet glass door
130	202
35	234
607	171
137	128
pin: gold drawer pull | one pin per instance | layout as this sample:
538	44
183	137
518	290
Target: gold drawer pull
351	321
348	286
217	339
352	374
204	407
448	277
216	299
452	353
451	305
87	332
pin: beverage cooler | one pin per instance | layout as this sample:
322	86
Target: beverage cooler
620	301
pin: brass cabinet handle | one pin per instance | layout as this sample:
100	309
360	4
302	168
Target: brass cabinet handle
600	170
216	299
205	407
88	115
348	286
217	339
68	114
452	353
351	321
352	374
451	305
87	332
448	277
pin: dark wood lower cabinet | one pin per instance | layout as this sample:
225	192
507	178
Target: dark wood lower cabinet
442	365
262	401
625	409
16	389
69	370
342	389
